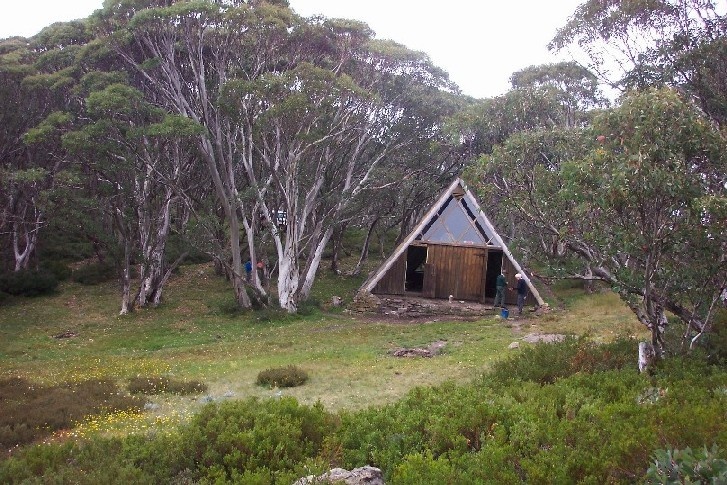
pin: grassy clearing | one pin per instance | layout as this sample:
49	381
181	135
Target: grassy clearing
601	315
197	335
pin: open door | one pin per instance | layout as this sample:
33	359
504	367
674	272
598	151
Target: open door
416	258
494	268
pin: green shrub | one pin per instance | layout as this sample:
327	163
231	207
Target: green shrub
590	424
585	428
95	461
134	459
161	385
59	269
28	283
715	342
290	376
687	466
239	440
424	468
545	363
424	421
94	273
176	245
58	244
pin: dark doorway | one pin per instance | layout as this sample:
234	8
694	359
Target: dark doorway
416	256
494	268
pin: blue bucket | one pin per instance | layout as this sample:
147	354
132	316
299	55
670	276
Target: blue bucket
505	312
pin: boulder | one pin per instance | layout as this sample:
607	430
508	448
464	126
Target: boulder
366	475
535	337
365	302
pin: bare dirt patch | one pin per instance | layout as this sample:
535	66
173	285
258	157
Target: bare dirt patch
433	349
410	320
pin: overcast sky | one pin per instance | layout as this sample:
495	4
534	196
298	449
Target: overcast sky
480	43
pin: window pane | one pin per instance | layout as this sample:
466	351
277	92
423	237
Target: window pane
438	233
472	236
457	221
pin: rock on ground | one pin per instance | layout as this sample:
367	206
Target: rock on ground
534	338
366	475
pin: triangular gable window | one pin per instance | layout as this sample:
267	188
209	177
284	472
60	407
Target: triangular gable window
438	233
479	222
455	224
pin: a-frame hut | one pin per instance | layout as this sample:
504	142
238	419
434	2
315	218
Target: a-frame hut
454	250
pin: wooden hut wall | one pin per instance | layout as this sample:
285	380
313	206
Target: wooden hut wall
458	271
392	283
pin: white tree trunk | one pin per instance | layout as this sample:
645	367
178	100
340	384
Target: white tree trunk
25	241
313	265
126	303
646	355
152	269
288	280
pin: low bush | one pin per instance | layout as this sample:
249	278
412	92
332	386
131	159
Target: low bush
675	467
715	342
59	269
162	385
593	425
134	459
256	441
30	411
176	246
94	273
585	422
28	283
545	363
290	376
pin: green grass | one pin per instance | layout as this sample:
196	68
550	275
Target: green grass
194	336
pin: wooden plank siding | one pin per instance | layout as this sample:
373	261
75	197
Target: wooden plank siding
458	271
392	283
430	279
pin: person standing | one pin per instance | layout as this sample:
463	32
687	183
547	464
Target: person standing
522	292
501	288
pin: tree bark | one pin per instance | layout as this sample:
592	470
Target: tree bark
313	265
365	248
25	240
337	240
126	302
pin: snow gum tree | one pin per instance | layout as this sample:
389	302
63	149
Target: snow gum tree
299	116
184	52
34	85
639	196
308	158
